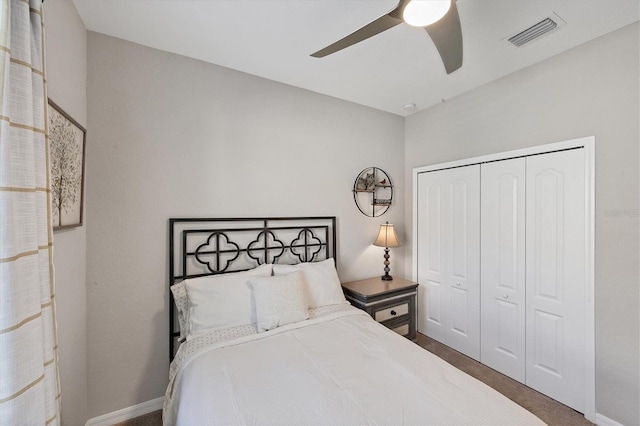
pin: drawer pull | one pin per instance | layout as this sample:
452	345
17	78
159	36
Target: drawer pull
393	313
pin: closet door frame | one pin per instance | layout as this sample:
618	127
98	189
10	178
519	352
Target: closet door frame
588	144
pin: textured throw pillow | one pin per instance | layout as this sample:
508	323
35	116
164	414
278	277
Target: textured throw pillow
179	292
323	285
279	300
220	301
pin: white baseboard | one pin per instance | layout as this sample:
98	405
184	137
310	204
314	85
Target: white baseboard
126	413
605	421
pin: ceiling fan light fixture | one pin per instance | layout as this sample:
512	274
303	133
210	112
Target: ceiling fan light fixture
420	13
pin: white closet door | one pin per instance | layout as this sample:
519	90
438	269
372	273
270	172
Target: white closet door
556	276
449	257
432	234
503	267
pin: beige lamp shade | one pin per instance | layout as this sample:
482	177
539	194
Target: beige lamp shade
387	236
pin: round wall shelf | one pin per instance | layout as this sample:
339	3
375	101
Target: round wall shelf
373	192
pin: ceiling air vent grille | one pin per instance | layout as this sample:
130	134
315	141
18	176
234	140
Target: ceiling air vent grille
533	32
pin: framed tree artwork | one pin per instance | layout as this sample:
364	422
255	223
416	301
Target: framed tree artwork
67	141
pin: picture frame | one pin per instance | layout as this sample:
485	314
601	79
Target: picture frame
67	144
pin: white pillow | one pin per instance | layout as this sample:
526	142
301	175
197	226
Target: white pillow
280	300
221	301
323	285
182	305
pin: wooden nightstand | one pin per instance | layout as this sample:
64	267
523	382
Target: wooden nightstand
391	303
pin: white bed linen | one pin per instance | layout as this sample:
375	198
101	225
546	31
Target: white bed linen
338	367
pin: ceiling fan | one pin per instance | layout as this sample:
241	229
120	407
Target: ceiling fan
442	25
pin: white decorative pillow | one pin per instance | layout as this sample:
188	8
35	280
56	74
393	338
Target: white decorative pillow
224	300
280	300
323	285
182	305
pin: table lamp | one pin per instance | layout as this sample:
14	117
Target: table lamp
386	238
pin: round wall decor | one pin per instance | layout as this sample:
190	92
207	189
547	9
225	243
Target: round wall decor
373	192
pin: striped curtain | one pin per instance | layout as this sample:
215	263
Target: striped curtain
29	382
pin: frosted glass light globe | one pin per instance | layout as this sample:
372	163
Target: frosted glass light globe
420	13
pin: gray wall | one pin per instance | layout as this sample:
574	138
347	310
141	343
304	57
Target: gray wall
66	50
592	89
172	137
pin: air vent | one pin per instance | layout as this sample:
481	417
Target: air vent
536	30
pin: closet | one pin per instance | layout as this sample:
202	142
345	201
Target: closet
501	261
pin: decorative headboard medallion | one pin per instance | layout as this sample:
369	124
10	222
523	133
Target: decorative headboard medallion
227	252
268	246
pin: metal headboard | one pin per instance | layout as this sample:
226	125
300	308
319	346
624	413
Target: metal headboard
200	247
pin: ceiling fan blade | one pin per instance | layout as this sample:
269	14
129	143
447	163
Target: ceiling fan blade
381	24
447	36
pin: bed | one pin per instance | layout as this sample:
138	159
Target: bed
261	334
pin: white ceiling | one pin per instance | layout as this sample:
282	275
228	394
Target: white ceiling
274	38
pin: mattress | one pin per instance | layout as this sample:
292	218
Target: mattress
338	367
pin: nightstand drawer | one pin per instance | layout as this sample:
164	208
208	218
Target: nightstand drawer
392	312
402	330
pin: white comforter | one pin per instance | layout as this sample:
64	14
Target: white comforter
339	367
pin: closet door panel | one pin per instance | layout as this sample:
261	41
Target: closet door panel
556	297
509	336
448	257
463	256
432	295
503	267
434	304
459	225
459	320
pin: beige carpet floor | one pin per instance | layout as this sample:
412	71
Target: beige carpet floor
550	411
